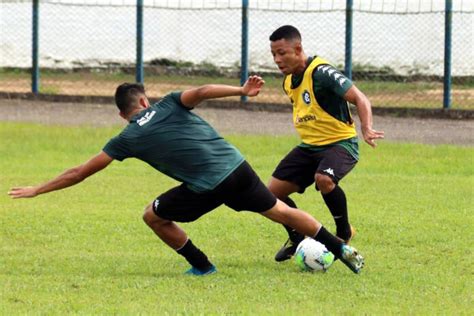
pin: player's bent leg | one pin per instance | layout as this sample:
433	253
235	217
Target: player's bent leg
177	239
167	230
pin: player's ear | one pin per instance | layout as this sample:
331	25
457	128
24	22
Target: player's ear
143	101
298	48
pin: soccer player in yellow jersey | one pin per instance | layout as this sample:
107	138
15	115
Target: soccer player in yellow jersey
329	148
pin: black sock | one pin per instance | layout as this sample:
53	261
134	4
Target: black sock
195	256
332	243
294	236
337	204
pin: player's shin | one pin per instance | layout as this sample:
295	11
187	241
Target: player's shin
331	242
337	204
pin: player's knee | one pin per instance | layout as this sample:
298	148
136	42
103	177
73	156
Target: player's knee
149	216
282	207
281	189
275	190
278	212
324	183
153	220
284	211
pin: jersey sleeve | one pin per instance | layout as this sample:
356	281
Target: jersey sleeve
327	77
176	98
116	149
172	101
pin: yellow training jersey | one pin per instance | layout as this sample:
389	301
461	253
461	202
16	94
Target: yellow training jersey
315	126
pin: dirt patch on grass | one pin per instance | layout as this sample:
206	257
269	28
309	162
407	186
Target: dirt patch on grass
237	121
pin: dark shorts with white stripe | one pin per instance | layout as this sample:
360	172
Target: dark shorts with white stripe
301	165
241	190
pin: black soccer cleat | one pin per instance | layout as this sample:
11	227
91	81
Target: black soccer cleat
287	251
289	248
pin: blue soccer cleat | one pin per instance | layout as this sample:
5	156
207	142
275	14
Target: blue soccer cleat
352	259
196	271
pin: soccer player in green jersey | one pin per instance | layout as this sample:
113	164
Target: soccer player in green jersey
173	140
319	94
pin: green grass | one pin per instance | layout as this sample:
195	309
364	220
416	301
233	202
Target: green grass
85	250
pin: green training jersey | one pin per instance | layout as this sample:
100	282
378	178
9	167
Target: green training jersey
178	143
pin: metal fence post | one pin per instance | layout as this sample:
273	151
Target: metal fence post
448	23
348	54
35	49
139	61
244	71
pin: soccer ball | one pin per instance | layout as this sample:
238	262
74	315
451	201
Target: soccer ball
313	256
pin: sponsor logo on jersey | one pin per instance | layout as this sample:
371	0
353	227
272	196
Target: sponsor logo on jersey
146	118
306	97
306	118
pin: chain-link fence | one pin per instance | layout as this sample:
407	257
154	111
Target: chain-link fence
88	47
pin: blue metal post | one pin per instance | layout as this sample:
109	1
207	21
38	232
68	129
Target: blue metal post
139	61
348	55
448	24
244	72
35	56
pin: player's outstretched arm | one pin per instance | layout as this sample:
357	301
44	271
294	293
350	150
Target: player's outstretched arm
192	97
66	179
364	109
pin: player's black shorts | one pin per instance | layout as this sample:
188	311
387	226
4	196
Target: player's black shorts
241	190
300	165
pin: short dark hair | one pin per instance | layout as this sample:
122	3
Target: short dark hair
287	32
126	95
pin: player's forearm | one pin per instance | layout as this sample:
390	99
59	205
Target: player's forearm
192	97
364	111
68	178
362	103
213	91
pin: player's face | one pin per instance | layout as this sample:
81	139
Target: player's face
286	55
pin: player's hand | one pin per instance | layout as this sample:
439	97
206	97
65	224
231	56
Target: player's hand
22	192
252	86
370	135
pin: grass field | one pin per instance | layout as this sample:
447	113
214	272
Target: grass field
85	250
